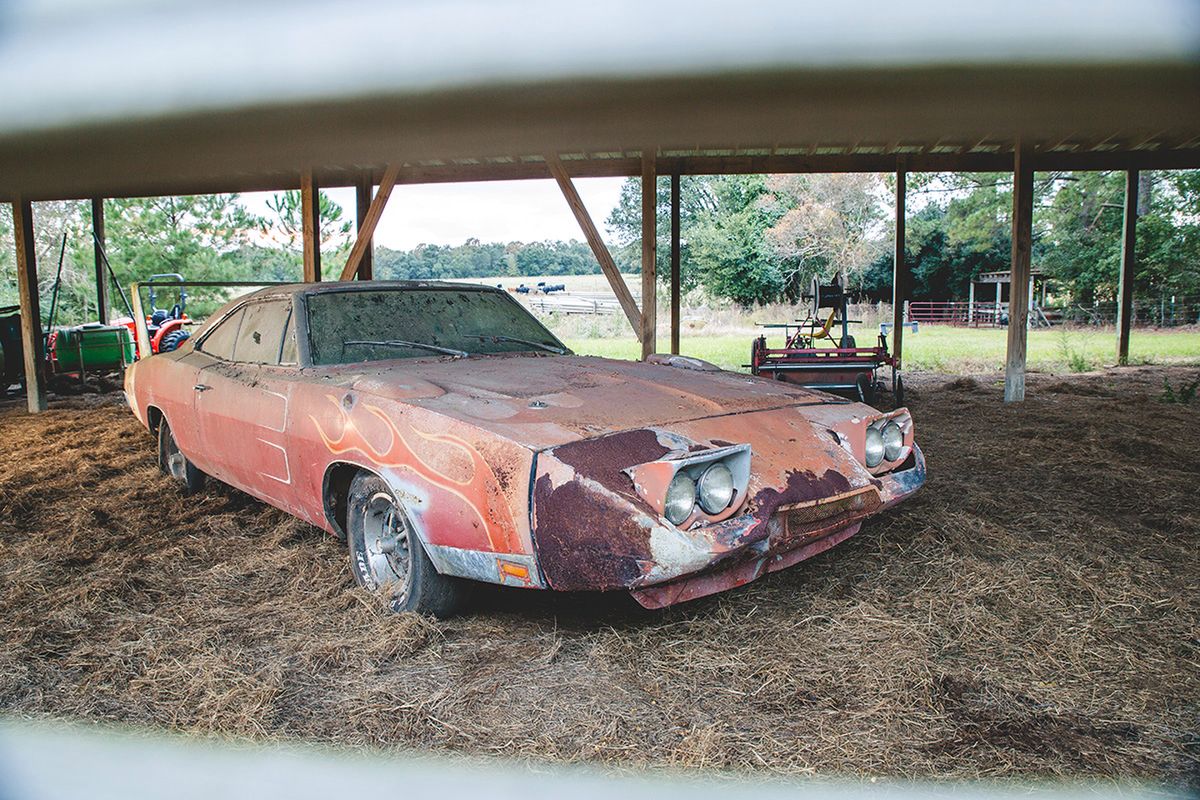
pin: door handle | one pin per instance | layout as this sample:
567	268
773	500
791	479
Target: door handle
201	387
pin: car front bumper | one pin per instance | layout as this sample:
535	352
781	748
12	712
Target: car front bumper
732	553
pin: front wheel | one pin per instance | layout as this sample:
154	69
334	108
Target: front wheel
174	463
386	555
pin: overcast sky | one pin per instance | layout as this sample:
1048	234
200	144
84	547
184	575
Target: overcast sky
495	211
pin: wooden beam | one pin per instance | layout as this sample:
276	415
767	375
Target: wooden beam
900	271
310	214
607	265
649	255
519	168
362	196
98	255
1018	286
675	262
366	230
31	315
1128	267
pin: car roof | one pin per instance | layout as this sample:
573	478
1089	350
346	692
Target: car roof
329	287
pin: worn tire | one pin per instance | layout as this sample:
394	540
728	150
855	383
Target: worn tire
175	464
387	557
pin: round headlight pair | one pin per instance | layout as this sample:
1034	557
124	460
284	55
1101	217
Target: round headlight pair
886	442
714	492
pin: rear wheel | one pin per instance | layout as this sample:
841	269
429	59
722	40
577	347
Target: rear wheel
172	341
386	555
174	463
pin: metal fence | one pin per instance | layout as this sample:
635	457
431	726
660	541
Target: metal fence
1162	312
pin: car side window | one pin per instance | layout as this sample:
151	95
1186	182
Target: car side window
261	336
290	354
220	340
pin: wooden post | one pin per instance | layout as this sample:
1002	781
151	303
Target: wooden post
649	254
31	314
605	259
370	220
1128	267
364	190
999	299
971	305
98	254
900	271
310	213
675	263
1018	285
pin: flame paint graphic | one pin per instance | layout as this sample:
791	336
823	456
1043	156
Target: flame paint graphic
479	490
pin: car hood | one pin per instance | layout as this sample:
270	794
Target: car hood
544	401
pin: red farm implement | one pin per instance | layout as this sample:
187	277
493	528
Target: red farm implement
819	351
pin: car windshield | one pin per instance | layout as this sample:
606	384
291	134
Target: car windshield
375	324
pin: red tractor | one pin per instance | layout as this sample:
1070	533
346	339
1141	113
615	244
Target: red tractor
165	326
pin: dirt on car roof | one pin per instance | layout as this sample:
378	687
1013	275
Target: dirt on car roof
1032	612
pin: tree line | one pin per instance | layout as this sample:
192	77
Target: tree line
758	239
215	237
748	239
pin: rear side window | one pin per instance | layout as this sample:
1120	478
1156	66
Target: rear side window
220	340
261	335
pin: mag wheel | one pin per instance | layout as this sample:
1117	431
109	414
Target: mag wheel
386	555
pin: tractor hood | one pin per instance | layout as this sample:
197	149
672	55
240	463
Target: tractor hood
543	401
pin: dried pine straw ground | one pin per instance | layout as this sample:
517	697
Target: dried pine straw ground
1034	612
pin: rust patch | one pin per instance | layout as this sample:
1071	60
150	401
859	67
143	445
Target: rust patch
802	486
584	540
604	458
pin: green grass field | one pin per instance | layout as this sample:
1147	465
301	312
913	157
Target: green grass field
957	350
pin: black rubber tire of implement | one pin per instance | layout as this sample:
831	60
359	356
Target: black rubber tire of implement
172	341
184	471
427	592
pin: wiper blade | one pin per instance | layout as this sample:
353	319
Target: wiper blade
448	351
498	337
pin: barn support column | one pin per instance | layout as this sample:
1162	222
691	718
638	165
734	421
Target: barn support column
310	222
649	254
363	193
675	263
900	271
366	228
1128	267
31	314
98	254
599	250
1018	285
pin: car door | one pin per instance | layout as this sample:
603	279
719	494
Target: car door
242	404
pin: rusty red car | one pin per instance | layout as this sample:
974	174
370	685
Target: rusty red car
449	437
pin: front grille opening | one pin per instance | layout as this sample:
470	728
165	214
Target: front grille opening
804	517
